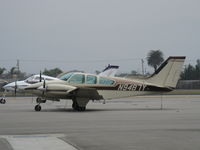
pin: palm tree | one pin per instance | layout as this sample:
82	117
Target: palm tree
155	58
2	70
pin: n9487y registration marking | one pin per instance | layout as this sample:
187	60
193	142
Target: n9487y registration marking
131	87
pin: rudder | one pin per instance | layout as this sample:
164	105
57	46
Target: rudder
167	75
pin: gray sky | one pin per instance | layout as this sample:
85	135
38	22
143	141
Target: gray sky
89	34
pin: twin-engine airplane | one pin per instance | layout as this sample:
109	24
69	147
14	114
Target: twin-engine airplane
18	86
82	87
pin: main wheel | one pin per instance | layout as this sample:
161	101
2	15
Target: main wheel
75	105
81	108
38	108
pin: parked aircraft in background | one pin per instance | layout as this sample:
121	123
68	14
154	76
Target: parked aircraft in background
20	85
82	87
2	83
109	71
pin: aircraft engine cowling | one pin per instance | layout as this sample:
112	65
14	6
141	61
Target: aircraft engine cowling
57	87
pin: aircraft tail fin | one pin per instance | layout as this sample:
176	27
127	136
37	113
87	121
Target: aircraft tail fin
167	75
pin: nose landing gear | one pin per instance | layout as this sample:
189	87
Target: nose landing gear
39	100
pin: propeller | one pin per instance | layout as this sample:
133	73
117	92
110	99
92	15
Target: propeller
44	87
44	84
40	76
15	88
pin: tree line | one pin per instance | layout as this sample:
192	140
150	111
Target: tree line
154	59
191	72
14	73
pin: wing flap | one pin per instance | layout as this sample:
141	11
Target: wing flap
89	93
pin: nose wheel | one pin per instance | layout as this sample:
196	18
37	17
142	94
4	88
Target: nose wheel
38	107
2	100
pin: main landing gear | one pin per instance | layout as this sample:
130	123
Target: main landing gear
76	107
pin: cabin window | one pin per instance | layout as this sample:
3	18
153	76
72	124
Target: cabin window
65	77
47	79
90	79
30	79
106	81
77	78
38	78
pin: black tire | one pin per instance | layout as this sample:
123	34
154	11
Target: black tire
81	108
38	108
2	101
76	107
73	105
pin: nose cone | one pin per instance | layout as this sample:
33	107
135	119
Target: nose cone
9	86
18	85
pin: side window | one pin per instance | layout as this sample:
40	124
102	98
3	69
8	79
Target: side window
106	81
47	79
90	79
38	78
77	78
65	77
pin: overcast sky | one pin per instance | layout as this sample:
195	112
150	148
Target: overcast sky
89	34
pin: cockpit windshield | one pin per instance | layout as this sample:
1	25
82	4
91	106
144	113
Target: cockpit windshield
65	77
29	79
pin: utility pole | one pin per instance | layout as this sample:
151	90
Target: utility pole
142	66
18	65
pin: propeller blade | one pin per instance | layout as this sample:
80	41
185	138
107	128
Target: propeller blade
15	88
44	86
40	76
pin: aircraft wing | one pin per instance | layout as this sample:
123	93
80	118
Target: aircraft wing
71	91
89	93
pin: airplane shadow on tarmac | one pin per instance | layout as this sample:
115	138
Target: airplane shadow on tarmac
101	110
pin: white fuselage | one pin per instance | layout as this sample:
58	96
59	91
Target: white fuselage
20	85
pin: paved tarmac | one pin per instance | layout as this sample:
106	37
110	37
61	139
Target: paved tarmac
126	124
